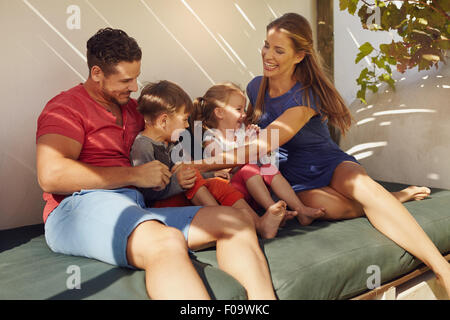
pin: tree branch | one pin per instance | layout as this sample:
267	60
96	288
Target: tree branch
438	10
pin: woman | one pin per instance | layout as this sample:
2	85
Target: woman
295	99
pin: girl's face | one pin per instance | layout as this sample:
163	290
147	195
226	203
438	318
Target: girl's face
278	55
233	114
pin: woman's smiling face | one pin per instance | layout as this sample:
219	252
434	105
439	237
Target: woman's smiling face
278	55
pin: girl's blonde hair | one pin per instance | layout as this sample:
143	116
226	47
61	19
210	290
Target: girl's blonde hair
216	97
309	72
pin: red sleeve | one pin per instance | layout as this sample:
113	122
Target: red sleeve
61	118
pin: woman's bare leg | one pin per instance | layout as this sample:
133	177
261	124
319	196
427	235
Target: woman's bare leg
390	217
238	251
162	252
337	206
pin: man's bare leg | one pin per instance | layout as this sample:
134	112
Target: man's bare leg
238	251
162	252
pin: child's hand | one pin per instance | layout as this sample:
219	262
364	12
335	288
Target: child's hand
222	174
252	128
186	176
251	132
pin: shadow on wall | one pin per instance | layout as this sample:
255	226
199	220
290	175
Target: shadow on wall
402	135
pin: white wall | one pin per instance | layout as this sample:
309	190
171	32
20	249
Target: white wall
41	56
399	136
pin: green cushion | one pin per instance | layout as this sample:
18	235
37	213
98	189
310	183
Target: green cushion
330	260
326	260
29	270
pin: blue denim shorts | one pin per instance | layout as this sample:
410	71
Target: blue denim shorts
97	223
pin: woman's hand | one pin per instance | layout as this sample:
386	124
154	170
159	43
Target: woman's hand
223	174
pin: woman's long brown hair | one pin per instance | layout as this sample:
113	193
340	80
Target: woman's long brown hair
309	72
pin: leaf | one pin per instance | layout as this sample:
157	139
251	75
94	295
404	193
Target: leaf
361	94
343	4
352	5
388	79
364	50
401	67
444	4
442	44
374	88
380	3
391	60
385	48
392	17
362	76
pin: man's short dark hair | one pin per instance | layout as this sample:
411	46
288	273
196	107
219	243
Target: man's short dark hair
110	46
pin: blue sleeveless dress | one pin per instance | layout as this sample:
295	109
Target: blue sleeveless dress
309	159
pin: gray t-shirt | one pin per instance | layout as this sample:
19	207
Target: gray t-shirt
144	150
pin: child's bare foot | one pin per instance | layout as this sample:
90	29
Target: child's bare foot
288	216
412	193
307	215
271	220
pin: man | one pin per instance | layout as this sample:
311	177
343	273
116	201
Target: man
93	208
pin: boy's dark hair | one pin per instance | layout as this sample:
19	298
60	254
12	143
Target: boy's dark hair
110	46
162	97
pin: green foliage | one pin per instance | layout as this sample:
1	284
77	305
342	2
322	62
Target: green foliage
425	30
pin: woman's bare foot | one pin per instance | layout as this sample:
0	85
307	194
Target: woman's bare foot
412	193
306	215
444	281
270	222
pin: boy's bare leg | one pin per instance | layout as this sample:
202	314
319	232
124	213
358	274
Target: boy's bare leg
162	252
204	198
238	251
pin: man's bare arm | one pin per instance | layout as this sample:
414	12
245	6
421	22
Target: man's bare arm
59	170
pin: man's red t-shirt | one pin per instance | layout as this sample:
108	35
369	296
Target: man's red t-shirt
74	114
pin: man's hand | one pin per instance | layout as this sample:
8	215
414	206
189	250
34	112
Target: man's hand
186	176
153	174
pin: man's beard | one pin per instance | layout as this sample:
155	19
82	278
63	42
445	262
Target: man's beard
112	99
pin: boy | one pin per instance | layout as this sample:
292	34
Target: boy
166	108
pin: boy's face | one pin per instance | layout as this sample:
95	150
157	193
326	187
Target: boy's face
176	123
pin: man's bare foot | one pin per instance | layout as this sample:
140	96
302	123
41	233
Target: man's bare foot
270	222
307	215
412	193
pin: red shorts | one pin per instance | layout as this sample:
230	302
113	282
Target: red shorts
221	190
